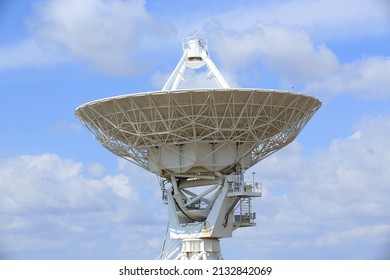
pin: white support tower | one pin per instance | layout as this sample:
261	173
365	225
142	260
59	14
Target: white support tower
200	142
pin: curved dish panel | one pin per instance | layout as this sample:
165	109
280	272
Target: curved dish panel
200	131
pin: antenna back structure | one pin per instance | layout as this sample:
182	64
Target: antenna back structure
200	142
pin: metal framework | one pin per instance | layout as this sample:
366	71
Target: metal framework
199	126
195	56
200	142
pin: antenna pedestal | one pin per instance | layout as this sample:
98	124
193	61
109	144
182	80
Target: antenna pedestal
200	249
201	218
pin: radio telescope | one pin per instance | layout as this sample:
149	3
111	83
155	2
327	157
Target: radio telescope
199	142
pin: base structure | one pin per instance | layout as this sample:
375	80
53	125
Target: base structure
200	249
202	211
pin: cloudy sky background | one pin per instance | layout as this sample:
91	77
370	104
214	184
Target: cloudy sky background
63	196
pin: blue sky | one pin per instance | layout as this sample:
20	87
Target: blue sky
63	196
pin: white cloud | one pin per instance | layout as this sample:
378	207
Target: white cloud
321	18
51	207
287	52
95	170
30	53
110	35
357	234
120	185
113	37
286	41
45	182
358	158
155	242
367	78
337	200
294	59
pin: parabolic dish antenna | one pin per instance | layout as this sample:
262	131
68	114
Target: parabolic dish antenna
200	142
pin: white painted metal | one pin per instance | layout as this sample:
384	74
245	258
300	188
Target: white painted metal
200	249
198	132
195	55
200	142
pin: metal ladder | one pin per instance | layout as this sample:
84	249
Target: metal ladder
243	215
